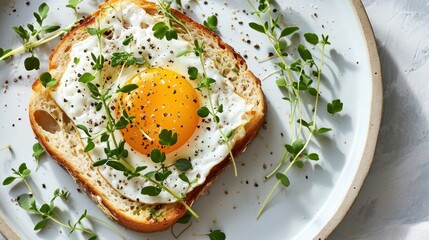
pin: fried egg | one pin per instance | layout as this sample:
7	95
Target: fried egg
165	99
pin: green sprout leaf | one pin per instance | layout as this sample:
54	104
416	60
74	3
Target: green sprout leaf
4	51
193	73
281	82
50	29
86	78
311	38
94	90
43	10
299	164
128	40
94	237
47	80
257	27
84	129
89	146
335	106
97	31
40	225
100	163
32	63
167	137
38	151
161	176
283	179
203	112
27	202
183	164
171	34
116	165
304	53
184	178
322	130
312	91
288	31
9	180
73	4
128	88
298	145
313	156
263	5
157	156
151	191
160	29
24	34
211	23
217	235
229	134
23	168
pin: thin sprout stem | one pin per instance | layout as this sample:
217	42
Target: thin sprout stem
69	227
270	74
266	59
144	133
107	224
8	147
261	209
28	186
31	45
279	165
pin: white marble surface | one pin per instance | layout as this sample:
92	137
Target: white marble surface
394	200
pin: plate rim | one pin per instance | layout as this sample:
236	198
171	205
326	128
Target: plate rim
376	110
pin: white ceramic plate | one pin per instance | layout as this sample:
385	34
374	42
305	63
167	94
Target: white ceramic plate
320	193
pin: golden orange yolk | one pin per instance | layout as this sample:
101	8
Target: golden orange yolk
164	100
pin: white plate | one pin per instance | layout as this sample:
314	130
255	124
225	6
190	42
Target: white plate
320	194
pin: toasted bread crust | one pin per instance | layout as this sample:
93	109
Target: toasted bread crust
129	213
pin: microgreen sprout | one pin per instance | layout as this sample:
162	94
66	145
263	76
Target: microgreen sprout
217	235
214	235
47	80
22	173
8	147
335	106
38	151
33	35
296	78
211	23
47	211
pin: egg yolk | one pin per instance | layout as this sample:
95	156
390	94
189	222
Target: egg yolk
163	100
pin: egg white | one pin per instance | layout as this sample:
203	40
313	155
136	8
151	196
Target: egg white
203	148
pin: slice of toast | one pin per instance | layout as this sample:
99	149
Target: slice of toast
62	141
